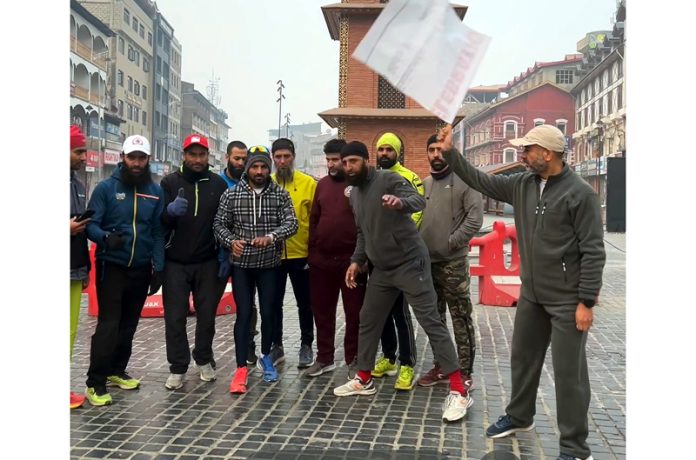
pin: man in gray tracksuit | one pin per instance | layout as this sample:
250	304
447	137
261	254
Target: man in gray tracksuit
559	228
382	203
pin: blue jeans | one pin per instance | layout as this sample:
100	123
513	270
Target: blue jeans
245	280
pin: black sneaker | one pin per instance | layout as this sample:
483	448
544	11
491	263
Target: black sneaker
505	427
277	354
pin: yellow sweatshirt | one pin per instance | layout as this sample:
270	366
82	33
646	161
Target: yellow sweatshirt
301	189
414	180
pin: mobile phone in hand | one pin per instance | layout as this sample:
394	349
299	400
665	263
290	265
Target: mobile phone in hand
85	215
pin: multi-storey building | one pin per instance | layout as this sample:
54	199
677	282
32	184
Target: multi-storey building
164	142
175	103
300	134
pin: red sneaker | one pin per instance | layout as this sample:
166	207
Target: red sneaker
433	377
239	382
76	400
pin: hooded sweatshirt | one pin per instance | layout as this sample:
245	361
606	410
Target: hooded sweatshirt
301	189
559	230
134	210
244	214
79	253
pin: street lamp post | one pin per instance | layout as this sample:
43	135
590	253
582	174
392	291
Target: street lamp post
281	86
287	125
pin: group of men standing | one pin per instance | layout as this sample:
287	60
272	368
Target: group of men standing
384	240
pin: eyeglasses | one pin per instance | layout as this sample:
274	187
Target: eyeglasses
259	148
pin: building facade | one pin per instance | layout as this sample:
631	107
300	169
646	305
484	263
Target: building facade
368	105
165	144
301	135
175	103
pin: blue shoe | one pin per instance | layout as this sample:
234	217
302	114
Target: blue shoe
505	427
265	364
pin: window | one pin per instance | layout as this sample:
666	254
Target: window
136	88
510	155
130	84
129	111
144	117
605	104
561	124
121	45
131	53
159	38
136	114
146	64
510	129
389	97
149	38
610	102
564	77
159	66
126	16
158	90
141	31
539	121
135	24
120	78
120	108
605	78
157	119
144	92
619	90
136	55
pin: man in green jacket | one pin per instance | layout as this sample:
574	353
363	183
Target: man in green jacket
560	234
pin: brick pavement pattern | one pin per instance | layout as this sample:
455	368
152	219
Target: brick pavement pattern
298	417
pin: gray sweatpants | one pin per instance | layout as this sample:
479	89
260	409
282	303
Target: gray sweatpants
413	278
535	327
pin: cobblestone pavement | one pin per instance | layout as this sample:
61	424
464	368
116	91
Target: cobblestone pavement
299	417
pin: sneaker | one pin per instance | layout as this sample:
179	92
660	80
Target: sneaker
405	381
455	406
468	383
356	387
174	381
384	366
353	369
239	381
277	354
318	368
76	400
504	427
306	357
570	457
123	381
265	364
207	373
98	396
433	377
252	359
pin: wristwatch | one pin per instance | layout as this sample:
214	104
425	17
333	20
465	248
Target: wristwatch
589	303
272	237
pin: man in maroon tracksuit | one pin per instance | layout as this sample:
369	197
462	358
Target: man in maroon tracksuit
332	237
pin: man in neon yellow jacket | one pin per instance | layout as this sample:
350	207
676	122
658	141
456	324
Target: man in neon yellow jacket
389	150
301	188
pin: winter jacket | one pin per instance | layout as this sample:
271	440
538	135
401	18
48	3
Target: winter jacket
388	237
332	231
190	238
228	180
452	216
560	233
135	211
414	180
244	215
79	252
301	189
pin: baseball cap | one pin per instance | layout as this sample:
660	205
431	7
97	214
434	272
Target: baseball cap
136	143
195	139
546	136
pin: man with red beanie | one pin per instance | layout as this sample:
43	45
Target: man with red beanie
79	253
332	236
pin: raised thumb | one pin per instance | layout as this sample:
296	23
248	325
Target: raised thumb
181	193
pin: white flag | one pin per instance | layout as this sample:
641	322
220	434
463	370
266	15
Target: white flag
424	50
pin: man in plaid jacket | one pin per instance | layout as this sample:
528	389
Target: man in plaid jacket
253	220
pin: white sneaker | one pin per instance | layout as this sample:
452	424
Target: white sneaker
207	372
455	406
356	387
174	381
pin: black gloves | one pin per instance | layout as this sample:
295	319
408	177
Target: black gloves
156	282
114	240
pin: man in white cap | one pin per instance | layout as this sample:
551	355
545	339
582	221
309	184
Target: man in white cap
559	228
129	261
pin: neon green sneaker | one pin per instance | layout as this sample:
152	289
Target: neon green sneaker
384	366
405	380
98	396
123	381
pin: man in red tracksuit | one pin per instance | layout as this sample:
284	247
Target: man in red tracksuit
332	237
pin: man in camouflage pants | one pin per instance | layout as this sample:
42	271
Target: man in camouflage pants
449	199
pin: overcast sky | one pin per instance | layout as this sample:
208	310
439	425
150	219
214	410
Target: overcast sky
250	45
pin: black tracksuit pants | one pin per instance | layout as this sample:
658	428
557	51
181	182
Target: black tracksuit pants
298	270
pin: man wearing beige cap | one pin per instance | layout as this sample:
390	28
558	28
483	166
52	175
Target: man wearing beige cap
559	228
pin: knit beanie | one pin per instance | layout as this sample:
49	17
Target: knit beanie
258	153
391	140
355	148
77	139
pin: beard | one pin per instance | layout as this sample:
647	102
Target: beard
338	175
259	180
134	180
386	162
234	173
539	166
285	174
359	178
437	165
